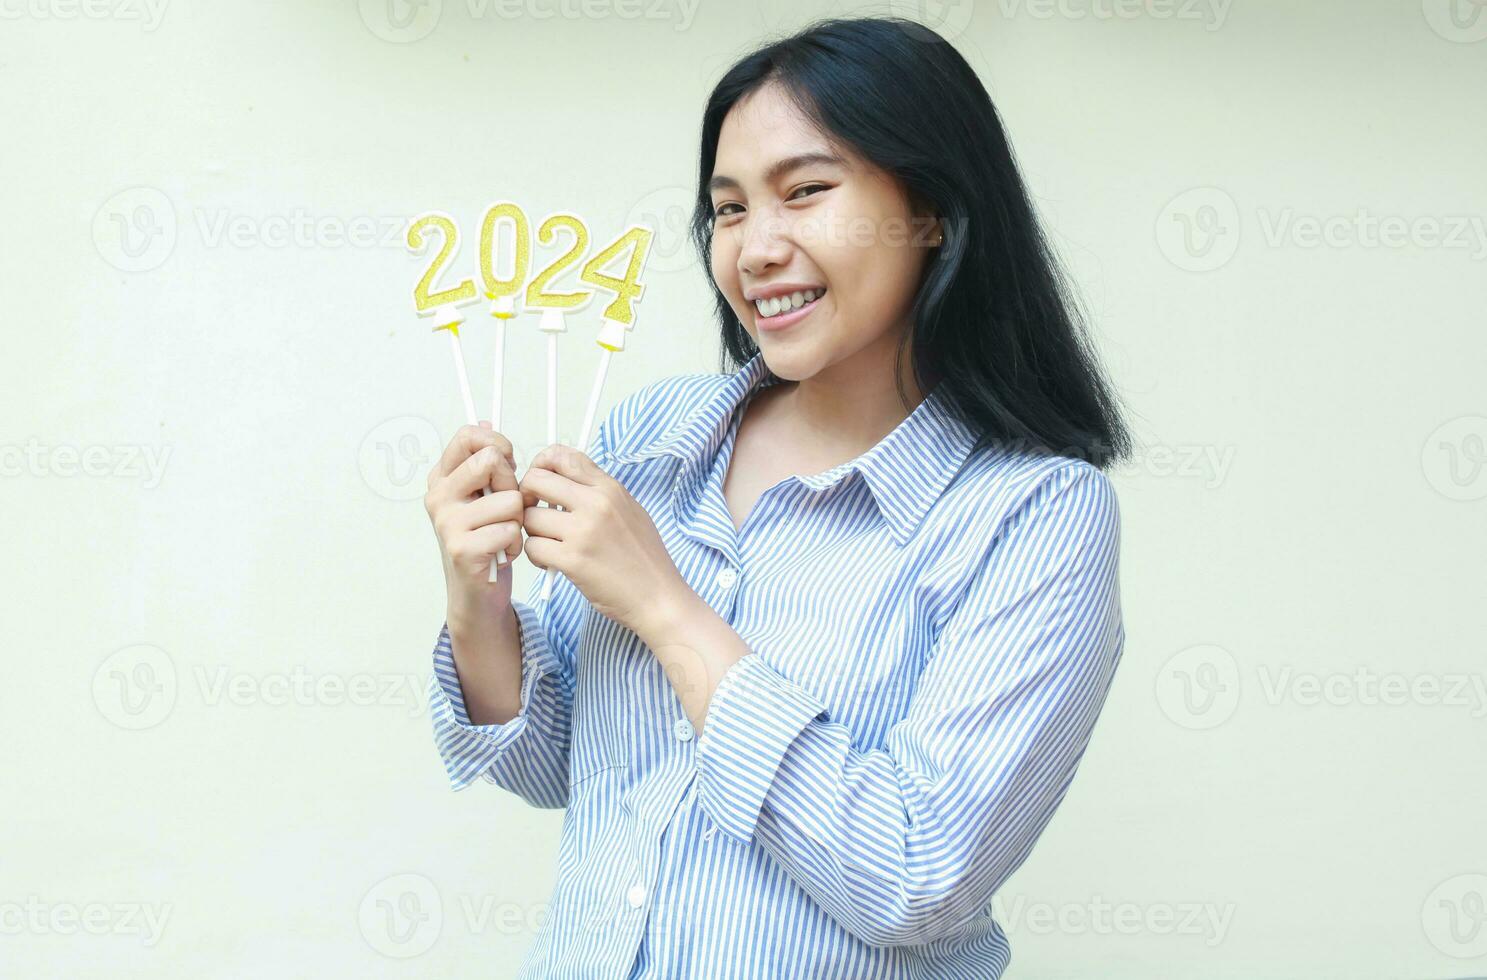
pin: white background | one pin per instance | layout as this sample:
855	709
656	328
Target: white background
1303	529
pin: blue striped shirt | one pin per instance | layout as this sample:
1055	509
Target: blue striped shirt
932	633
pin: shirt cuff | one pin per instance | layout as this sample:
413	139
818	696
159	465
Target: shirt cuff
474	746
753	716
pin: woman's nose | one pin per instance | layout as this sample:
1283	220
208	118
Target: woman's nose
766	242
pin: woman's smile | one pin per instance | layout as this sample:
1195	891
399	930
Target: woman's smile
787	309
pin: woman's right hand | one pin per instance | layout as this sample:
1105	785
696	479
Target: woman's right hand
471	527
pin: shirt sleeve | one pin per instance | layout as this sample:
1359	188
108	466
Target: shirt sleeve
528	755
906	844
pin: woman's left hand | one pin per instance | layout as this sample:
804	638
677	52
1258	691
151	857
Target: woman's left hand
602	540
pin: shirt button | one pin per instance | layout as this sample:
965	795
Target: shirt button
683	729
636	896
727	577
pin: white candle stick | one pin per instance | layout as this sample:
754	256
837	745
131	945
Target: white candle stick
441	304
611	339
460	372
552	324
451	322
499	372
503	290
502	310
552	378
592	410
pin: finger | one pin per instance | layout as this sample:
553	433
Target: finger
572	463
545	553
546	522
468	440
502	536
487	468
503	476
556	489
504	505
475	550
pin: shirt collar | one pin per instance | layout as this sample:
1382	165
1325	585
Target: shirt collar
906	471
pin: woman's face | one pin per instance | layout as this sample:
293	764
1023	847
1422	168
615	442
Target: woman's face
828	223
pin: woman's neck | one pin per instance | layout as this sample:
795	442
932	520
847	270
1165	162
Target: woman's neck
847	408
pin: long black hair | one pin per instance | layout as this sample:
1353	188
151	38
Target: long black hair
994	319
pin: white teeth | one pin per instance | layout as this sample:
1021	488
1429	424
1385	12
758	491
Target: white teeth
793	301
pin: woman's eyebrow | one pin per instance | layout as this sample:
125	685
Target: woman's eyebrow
779	168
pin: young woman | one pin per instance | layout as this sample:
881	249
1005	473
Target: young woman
832	629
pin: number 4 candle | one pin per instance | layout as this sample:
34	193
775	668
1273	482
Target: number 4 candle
618	320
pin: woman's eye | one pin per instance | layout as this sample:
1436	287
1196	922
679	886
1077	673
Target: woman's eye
721	211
